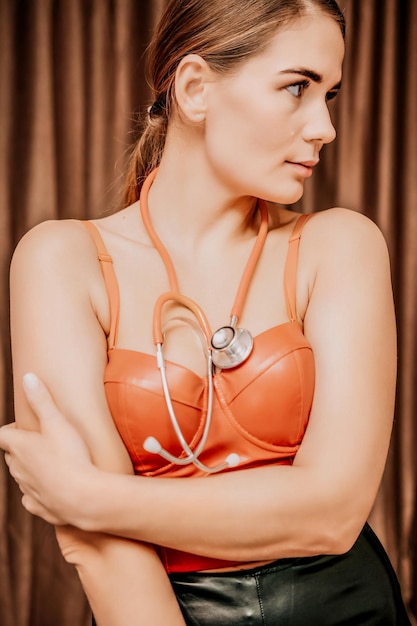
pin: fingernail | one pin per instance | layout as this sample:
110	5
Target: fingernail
30	381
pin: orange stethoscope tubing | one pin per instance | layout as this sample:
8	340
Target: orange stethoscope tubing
230	345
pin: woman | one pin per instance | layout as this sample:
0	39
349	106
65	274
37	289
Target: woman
257	461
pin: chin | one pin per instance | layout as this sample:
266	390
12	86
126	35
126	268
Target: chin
286	196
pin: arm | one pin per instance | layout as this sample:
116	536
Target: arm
321	502
57	319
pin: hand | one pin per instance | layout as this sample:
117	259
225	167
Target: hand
53	466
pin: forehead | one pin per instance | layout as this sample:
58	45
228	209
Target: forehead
314	42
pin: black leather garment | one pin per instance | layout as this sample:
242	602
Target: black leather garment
359	587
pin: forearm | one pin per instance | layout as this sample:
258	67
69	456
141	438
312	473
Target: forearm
123	580
256	514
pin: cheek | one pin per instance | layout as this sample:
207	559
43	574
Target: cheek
232	123
234	117
242	133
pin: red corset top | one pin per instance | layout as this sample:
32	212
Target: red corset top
260	408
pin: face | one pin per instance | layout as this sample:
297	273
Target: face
267	122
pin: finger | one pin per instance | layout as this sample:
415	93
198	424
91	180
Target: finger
4	437
15	473
42	402
34	507
9	426
10	436
51	421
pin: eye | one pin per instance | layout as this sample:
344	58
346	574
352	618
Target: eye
297	89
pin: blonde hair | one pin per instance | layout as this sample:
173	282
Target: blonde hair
224	33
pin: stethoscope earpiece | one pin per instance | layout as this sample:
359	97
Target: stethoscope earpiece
152	445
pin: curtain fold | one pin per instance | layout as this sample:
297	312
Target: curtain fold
372	168
75	85
72	86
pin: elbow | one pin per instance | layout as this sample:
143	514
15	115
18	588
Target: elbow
332	521
325	534
85	549
77	547
338	513
340	539
339	529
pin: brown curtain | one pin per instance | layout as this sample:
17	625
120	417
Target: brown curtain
71	87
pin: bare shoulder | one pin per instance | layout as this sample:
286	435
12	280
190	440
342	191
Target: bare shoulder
58	258
342	224
63	246
345	235
54	238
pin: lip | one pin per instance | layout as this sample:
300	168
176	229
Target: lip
303	167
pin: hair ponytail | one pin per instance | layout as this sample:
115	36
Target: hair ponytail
146	154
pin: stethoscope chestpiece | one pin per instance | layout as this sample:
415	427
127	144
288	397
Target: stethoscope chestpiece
230	346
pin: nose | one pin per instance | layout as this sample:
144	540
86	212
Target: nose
319	126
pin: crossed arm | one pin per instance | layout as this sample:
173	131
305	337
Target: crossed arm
55	332
317	505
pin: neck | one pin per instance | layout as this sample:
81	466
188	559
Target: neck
189	203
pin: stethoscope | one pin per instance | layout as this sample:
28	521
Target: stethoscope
226	348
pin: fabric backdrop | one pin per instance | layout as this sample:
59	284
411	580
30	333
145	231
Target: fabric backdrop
71	89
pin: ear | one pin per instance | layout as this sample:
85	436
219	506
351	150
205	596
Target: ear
192	78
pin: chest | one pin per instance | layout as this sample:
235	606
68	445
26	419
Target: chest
260	409
212	283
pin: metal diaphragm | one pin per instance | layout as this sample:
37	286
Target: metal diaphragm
230	346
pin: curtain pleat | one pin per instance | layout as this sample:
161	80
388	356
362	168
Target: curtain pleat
6	519
75	85
72	86
372	168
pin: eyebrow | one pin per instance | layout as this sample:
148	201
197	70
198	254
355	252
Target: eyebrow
316	78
